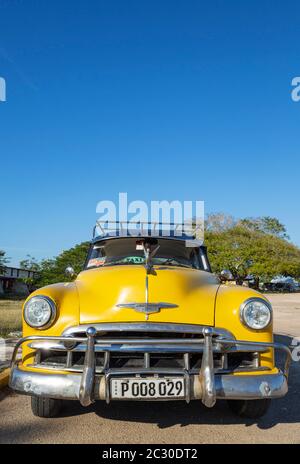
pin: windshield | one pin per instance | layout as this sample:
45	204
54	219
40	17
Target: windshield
122	251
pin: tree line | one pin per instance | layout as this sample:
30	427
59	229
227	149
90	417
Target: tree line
259	247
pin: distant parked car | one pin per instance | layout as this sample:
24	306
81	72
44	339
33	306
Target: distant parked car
280	287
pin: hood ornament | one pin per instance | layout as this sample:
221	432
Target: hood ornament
149	253
147	308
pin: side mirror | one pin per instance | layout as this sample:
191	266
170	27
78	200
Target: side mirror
69	271
225	275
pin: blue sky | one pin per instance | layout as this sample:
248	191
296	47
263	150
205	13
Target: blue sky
161	99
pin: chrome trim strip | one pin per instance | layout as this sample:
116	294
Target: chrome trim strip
146	327
150	370
41	337
176	345
143	371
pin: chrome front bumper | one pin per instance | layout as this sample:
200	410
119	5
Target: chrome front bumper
67	386
207	386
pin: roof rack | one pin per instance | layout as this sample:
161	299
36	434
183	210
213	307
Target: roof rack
189	231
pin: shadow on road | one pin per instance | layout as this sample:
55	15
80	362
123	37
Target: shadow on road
168	414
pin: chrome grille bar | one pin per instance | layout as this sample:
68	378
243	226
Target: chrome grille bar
159	327
152	345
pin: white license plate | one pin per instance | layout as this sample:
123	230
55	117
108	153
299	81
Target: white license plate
149	388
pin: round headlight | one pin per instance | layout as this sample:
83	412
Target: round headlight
256	313
39	312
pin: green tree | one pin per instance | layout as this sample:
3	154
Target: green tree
53	270
245	251
3	261
30	264
266	224
218	222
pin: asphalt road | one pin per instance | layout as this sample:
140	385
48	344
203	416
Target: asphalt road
164	422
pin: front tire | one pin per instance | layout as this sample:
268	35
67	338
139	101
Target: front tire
45	407
253	409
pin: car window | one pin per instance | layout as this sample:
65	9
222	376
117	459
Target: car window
124	251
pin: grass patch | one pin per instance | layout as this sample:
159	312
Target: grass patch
10	316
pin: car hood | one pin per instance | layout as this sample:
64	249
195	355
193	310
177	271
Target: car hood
102	290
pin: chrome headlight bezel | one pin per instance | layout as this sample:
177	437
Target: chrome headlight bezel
243	308
52	312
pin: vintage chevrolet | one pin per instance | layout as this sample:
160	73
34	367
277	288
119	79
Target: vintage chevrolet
146	319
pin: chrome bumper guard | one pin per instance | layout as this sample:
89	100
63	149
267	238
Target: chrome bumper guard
207	385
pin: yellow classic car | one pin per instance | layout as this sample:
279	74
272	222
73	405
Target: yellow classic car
147	320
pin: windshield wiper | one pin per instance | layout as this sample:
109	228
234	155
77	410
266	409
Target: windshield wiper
118	263
174	262
168	262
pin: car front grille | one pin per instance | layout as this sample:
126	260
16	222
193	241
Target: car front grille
192	362
125	349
